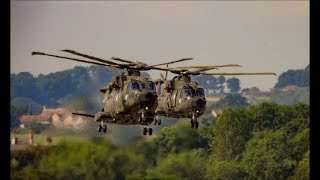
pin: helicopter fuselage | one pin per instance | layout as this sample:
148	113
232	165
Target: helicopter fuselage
181	98
134	102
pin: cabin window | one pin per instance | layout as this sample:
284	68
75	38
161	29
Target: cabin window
133	86
150	86
200	92
186	91
141	85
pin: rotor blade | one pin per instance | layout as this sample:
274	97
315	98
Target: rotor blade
230	74
186	71
124	60
171	62
73	59
213	67
89	57
165	78
161	76
82	114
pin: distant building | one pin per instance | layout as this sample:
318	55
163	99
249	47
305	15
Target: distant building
291	88
61	118
254	91
45	115
216	112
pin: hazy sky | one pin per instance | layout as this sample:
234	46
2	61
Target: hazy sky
260	36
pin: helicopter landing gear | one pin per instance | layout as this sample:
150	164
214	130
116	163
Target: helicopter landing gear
194	122
145	130
143	117
102	127
157	120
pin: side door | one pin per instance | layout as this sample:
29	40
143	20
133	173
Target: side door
174	98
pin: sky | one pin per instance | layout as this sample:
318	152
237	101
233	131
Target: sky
262	36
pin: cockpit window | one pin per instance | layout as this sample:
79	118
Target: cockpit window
133	86
141	85
200	92
186	91
150	85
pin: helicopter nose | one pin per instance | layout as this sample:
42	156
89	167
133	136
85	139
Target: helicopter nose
199	103
146	97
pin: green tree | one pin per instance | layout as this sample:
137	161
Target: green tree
178	138
207	82
185	165
230	101
267	156
233	84
23	85
232	129
87	160
221	80
15	113
271	116
224	170
303	169
299	77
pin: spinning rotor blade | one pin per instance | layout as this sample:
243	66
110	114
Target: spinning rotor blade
230	74
124	60
213	67
68	58
82	114
90	57
171	62
165	78
162	76
185	69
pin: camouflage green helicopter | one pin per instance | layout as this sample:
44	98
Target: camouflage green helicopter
183	98
129	98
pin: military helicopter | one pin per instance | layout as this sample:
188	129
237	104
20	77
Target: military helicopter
129	98
183	98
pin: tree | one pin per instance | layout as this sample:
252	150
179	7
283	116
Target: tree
207	82
299	77
224	170
178	138
303	169
267	156
186	165
221	80
233	84
23	85
231	101
15	113
232	129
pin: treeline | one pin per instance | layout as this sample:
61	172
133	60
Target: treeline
299	77
268	141
218	84
56	88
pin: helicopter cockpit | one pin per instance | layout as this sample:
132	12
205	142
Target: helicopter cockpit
200	92
137	85
133	86
150	86
186	92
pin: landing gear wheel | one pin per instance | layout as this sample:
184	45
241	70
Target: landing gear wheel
157	121
104	128
192	123
99	128
143	117
150	131
145	131
196	124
